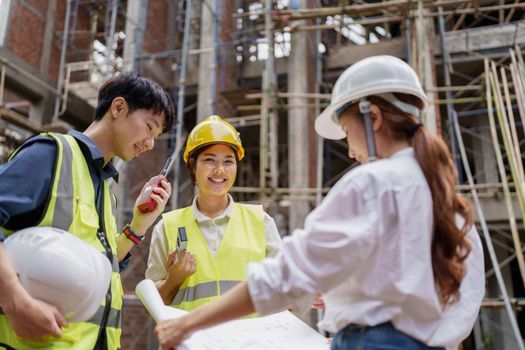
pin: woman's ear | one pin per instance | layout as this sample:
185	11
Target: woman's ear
377	117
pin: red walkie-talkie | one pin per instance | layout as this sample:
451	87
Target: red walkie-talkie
146	203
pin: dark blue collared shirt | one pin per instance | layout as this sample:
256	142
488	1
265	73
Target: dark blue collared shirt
26	180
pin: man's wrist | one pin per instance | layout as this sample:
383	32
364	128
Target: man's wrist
132	235
139	231
11	294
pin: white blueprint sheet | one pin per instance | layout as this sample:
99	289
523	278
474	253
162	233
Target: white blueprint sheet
279	331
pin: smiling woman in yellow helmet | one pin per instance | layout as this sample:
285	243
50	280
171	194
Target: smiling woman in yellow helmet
223	236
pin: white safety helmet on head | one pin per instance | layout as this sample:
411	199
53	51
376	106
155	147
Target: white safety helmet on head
377	75
56	267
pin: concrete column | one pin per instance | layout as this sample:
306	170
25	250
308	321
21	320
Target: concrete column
48	39
205	98
301	139
133	26
424	39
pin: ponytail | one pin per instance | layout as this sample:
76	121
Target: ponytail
450	246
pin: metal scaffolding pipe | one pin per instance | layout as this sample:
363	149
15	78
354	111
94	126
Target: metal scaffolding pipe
180	102
214	57
450	107
110	39
60	82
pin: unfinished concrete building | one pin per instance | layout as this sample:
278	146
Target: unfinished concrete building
268	67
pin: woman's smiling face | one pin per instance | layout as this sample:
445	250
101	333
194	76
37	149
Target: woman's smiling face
215	170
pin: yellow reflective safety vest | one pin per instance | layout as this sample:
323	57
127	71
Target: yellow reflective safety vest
244	241
72	207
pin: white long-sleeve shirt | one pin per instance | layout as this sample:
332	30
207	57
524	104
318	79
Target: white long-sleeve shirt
367	248
213	230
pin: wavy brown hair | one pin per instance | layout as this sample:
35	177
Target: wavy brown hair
450	245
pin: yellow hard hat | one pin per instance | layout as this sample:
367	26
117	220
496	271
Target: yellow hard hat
213	130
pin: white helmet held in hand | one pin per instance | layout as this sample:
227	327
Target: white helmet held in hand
375	75
56	267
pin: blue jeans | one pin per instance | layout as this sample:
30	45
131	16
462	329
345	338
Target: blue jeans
380	337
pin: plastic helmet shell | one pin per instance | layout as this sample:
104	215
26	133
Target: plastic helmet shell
213	130
59	268
370	76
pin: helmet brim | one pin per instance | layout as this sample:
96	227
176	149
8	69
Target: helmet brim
327	125
239	155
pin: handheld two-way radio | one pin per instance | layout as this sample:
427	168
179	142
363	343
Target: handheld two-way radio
182	240
145	202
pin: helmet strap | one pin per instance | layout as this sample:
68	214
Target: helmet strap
405	107
365	107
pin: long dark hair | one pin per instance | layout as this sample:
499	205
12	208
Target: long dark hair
450	245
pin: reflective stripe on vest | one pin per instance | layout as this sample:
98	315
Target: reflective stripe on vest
65	209
113	317
203	290
244	241
72	207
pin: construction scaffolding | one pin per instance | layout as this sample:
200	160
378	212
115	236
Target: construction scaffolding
268	67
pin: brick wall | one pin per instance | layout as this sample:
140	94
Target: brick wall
25	37
25	40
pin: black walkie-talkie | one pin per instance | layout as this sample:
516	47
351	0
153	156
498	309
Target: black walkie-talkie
182	240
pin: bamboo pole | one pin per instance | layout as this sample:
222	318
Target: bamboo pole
501	303
455	88
505	132
512	124
520	76
279	190
258	95
521	65
19	120
519	89
364	21
503	176
376	8
482	186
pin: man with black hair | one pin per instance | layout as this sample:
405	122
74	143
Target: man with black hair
61	180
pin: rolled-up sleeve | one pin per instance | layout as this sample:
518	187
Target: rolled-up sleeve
338	236
25	182
123	264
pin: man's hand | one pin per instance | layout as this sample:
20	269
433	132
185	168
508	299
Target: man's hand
142	221
32	318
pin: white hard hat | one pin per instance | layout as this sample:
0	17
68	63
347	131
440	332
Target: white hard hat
375	75
56	267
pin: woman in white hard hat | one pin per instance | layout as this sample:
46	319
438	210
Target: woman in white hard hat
223	237
392	247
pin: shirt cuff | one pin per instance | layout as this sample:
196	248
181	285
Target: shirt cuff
266	295
123	264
